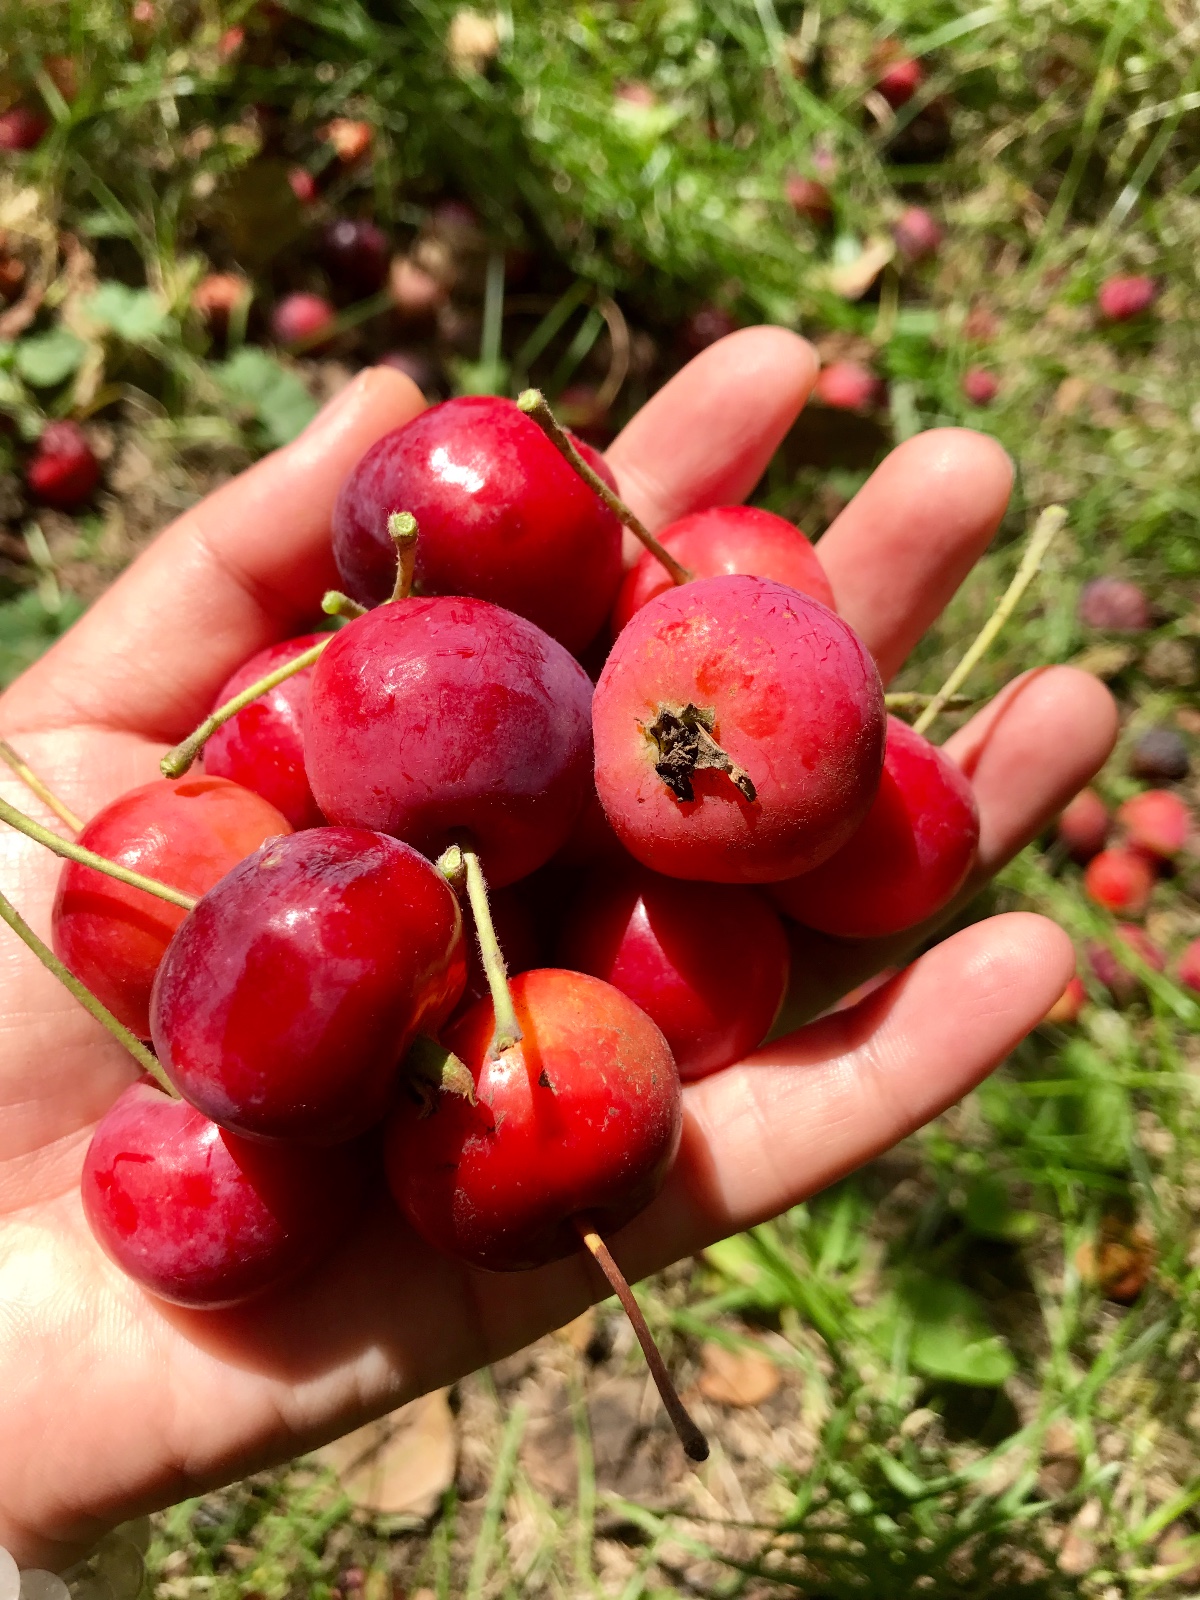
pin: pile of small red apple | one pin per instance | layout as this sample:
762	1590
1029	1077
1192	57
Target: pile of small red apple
733	761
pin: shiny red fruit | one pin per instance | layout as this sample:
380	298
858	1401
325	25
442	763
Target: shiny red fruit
848	386
302	318
726	539
1070	1003
356	255
918	236
22	128
449	720
909	858
500	514
1120	980
1115	605
262	748
1122	298
900	81
293	991
187	834
777	682
980	386
1157	822
582	1118
1083	826
810	199
1120	880
202	1218
64	471
707	962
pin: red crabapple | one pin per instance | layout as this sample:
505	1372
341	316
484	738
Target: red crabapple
302	318
262	747
810	199
907	860
900	81
187	834
980	386
202	1218
917	235
1115	605
63	471
303	185
725	539
1070	1003
356	255
707	962
1122	298
1083	826
1157	822
291	994
581	1118
1121	981
22	128
739	730
501	516
848	386
1120	880
447	720
1160	753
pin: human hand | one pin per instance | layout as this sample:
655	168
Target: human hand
114	1403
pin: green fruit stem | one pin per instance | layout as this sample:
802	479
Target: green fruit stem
88	858
508	1029
402	530
34	784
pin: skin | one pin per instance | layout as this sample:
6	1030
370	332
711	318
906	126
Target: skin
216	1395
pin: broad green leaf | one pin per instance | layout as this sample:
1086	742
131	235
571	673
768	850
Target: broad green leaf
275	394
45	359
135	315
951	1338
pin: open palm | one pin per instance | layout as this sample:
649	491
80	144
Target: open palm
111	1403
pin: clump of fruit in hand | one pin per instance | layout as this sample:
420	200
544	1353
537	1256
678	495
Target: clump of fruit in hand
1115	605
202	1218
188	835
1083	826
217	296
22	128
848	386
1120	299
291	994
810	199
356	255
1157	822
303	318
502	517
726	539
707	962
63	470
917	235
588	1100
899	81
1161	754
910	856
1120	880
980	386
1070	1003
1118	978
445	718
739	731
262	747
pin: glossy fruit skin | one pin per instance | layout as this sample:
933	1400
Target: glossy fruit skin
582	1117
501	517
262	748
64	471
1157	822
1115	605
848	386
293	991
22	128
707	962
301	317
909	858
1070	1003
356	254
188	834
449	720
726	539
1083	826
1122	298
1121	981
980	386
797	704
202	1218
918	236
1160	753
1120	880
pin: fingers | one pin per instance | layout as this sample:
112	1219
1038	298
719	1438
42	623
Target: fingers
244	567
900	549
706	438
813	1106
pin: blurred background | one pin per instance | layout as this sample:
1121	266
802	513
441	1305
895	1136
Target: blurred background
971	1368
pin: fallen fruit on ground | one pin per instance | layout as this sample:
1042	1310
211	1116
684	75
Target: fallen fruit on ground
63	470
1120	880
1115	605
1156	821
1083	826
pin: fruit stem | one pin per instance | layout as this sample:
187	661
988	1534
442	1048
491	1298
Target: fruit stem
177	761
336	604
143	1057
34	784
508	1029
693	1441
533	403
914	700
1045	530
402	531
88	858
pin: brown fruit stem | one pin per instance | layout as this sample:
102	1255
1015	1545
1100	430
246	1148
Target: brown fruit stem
693	1441
143	1057
88	858
402	530
533	403
455	864
34	784
1045	530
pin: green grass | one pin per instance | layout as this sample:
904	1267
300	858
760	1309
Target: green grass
931	1316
